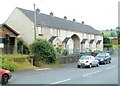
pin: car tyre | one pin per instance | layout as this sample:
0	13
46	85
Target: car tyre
78	66
109	61
98	65
5	78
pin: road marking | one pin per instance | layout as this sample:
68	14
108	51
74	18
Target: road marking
43	69
90	73
110	67
61	81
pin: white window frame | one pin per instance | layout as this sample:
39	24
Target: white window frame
40	30
51	32
58	32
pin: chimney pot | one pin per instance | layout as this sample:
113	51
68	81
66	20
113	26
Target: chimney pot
51	13
74	20
83	22
38	10
65	17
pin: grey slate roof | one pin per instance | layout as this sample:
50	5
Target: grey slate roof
59	23
91	41
99	41
83	41
66	40
52	38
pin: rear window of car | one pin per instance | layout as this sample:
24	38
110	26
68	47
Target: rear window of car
84	57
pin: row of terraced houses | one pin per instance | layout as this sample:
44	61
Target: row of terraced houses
72	35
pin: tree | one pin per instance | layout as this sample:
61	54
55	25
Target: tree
112	34
118	33
43	51
106	40
107	43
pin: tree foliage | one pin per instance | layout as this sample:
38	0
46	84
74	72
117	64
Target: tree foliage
106	40
112	34
43	51
59	48
118	33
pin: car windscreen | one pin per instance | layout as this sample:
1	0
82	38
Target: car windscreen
84	58
100	56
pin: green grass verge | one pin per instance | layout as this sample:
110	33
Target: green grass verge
15	62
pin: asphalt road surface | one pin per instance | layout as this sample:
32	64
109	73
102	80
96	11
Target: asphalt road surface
70	74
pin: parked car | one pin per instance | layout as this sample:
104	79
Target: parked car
87	61
103	58
5	75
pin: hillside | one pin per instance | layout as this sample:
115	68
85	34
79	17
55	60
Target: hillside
109	33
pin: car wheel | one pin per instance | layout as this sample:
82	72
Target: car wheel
105	62
5	79
109	61
98	65
90	65
78	66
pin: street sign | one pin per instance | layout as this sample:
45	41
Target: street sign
1	45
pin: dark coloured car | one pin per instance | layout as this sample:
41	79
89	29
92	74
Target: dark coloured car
5	75
104	58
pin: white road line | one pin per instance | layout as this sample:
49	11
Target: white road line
61	81
90	73
110	67
43	69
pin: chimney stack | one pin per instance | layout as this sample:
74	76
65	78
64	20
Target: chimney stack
38	10
74	20
51	13
83	22
65	17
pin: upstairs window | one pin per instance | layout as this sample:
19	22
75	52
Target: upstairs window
58	32
40	31
51	32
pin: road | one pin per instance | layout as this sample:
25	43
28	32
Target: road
69	74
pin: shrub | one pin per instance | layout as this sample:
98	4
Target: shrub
59	48
65	52
22	46
8	65
43	50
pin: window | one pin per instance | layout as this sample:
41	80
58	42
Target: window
58	32
2	40
66	33
51	31
40	30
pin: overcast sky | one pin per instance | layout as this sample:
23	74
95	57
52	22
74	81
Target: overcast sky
100	14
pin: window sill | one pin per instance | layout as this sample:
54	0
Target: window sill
41	34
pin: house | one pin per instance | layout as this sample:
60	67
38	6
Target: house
74	36
8	39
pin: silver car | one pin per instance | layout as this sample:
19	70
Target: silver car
87	61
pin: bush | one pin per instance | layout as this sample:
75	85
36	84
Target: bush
65	52
108	45
6	64
59	48
22	46
43	50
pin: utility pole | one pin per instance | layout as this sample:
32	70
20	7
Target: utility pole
34	22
